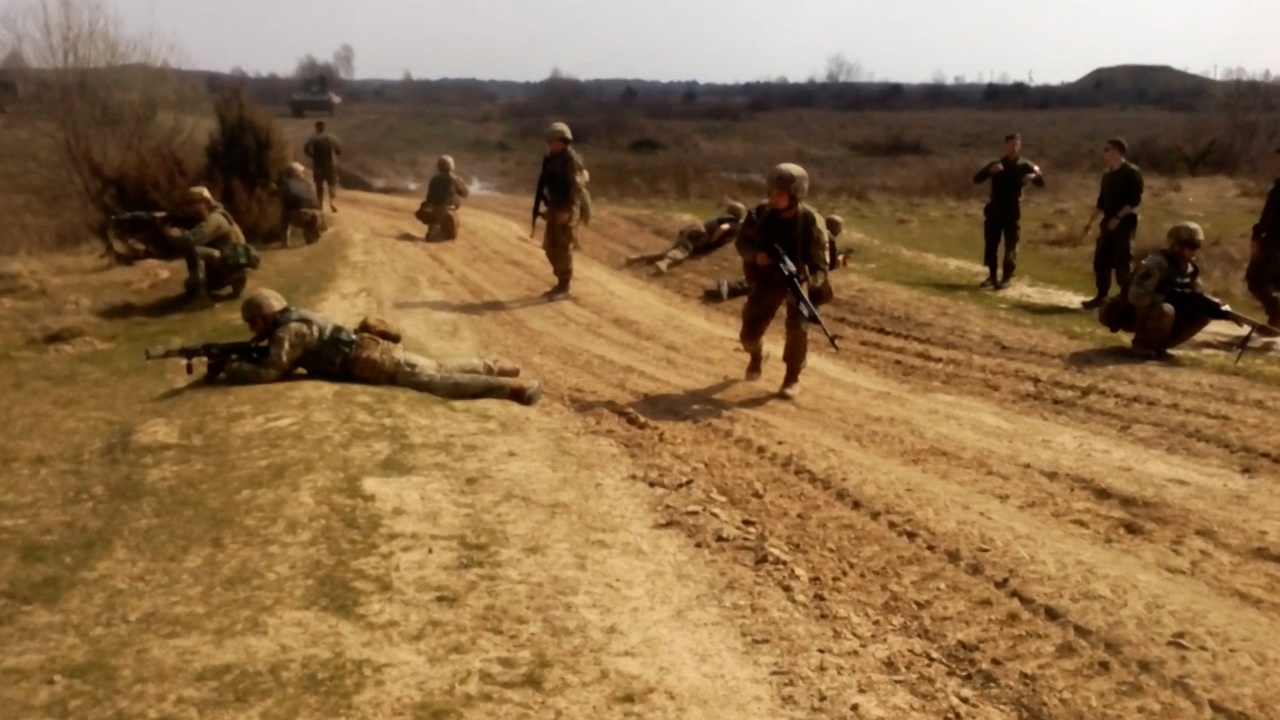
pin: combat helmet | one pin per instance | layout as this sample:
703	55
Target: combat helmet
736	210
559	131
1186	234
445	163
262	303
790	178
835	224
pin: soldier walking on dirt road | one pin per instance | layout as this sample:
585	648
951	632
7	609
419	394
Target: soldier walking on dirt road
1003	213
784	222
439	210
697	239
371	354
561	191
324	149
1263	274
1118	201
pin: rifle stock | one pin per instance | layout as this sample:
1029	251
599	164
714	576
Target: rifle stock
807	309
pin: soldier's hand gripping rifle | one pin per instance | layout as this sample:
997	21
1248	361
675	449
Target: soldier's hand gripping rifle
1218	310
537	203
807	309
216	355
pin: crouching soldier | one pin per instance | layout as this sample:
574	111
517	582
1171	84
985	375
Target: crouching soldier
299	207
439	211
1165	305
215	250
372	354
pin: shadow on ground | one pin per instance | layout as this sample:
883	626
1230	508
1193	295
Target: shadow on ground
696	405
1110	356
471	308
160	307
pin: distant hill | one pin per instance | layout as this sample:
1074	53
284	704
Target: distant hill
1126	79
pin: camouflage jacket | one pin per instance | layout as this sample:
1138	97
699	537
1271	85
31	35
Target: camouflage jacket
323	149
218	228
300	340
802	237
563	181
446	188
1158	275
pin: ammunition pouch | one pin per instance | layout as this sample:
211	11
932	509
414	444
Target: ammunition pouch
239	257
373	360
380	328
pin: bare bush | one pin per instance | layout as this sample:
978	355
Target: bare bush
245	155
117	113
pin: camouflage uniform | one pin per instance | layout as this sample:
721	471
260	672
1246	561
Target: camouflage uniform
1169	303
214	249
445	191
324	149
727	289
300	340
1263	273
562	189
695	239
299	207
799	232
1003	213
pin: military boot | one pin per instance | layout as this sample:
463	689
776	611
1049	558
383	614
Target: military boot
661	267
559	292
990	282
790	384
505	368
755	366
527	394
1093	303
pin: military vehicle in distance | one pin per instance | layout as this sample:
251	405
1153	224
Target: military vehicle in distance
315	97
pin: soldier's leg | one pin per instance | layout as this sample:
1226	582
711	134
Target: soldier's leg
495	367
1154	327
1185	327
198	259
318	179
332	181
762	305
1012	236
449	224
990	249
429	376
796	350
312	224
1261	278
1122	254
1101	270
673	257
833	255
645	258
557	243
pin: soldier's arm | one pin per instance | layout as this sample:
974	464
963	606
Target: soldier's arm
1136	186
1143	289
982	175
460	188
213	227
579	170
337	146
309	148
283	352
1037	178
749	242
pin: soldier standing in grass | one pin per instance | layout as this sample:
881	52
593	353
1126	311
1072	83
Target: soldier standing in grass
1263	274
323	149
786	222
1117	206
1003	213
562	191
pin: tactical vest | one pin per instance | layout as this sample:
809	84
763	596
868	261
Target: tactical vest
1175	281
330	358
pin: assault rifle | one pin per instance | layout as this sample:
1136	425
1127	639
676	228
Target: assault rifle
1218	310
537	201
807	309
215	354
139	215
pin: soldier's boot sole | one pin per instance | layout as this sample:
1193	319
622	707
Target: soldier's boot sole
790	385
505	369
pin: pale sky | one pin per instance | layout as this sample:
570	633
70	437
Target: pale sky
718	40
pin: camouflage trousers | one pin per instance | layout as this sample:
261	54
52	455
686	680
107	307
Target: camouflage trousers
1160	327
326	178
1263	278
441	221
764	300
206	271
311	222
457	379
558	241
677	254
1113	253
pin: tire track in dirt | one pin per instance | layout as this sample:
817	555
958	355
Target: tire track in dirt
897	453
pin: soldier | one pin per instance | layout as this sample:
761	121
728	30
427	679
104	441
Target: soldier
726	289
1117	206
562	190
1003	212
785	221
1169	304
298	339
444	195
323	149
1263	274
299	206
215	250
695	239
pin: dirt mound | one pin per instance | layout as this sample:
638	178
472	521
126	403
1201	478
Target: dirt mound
24	280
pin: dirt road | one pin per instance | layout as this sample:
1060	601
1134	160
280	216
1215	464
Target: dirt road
957	518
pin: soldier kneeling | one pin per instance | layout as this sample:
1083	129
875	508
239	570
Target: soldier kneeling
439	211
299	207
1165	304
372	354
